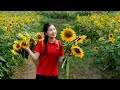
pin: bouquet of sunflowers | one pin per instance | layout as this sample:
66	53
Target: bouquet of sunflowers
25	40
71	41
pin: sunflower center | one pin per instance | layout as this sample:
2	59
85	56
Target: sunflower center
39	37
68	34
17	45
24	44
10	24
9	30
32	40
77	50
96	48
110	35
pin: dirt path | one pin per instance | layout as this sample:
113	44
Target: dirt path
85	72
26	71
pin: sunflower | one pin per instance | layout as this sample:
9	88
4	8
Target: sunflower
84	37
17	24
116	25
80	39
32	40
68	34
88	29
10	24
110	35
115	31
119	20
14	52
93	17
27	35
111	40
9	29
102	38
4	27
39	36
20	35
24	44
16	42
16	46
96	22
101	26
27	20
77	51
12	21
96	49
23	37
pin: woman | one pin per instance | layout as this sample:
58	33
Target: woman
50	52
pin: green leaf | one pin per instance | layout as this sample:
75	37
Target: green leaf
2	59
4	69
64	64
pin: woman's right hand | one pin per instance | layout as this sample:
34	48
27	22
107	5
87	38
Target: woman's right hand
69	53
27	49
33	55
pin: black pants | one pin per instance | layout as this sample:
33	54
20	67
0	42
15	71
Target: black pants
43	77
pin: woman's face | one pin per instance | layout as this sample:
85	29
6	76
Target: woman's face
51	32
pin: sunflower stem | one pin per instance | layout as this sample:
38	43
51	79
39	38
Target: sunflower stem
68	68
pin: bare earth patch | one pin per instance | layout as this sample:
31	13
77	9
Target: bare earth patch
26	71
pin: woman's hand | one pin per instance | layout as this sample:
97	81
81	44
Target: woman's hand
62	44
69	52
27	49
34	55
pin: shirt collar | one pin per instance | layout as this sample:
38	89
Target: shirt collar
55	42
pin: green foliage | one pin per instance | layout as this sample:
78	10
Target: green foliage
68	15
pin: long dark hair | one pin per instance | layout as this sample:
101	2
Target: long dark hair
45	28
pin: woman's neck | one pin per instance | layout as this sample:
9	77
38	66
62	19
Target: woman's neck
51	40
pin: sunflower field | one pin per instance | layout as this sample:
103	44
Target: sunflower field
98	40
92	36
17	29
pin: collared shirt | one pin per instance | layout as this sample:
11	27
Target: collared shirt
48	61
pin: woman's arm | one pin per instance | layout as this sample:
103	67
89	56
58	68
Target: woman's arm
34	56
61	52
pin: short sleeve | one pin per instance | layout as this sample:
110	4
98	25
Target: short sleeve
38	47
61	50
